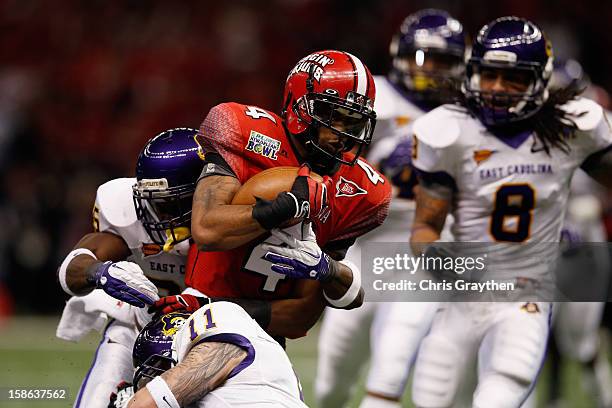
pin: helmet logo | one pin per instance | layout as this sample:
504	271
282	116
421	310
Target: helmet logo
319	61
172	324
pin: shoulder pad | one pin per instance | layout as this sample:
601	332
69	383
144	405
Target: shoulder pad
586	113
383	104
114	200
438	128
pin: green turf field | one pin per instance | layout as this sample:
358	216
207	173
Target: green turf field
32	357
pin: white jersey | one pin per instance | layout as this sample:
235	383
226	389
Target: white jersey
265	378
395	115
507	190
114	212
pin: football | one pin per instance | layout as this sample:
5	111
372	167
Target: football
267	184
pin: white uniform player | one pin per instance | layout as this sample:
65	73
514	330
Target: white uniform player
265	377
396	328
508	190
114	213
113	294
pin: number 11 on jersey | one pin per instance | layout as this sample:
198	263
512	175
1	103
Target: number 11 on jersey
208	323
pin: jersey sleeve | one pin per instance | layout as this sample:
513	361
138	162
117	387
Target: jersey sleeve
369	211
222	322
114	209
594	132
221	133
434	147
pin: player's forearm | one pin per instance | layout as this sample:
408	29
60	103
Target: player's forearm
104	247
422	235
292	318
226	227
340	283
205	368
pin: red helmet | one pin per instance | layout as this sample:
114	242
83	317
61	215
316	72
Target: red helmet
330	89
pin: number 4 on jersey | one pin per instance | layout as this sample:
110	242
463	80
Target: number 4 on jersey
258	113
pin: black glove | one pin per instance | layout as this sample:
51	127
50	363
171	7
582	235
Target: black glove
307	197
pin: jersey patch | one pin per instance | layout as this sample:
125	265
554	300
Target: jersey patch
482	155
264	145
348	188
151	249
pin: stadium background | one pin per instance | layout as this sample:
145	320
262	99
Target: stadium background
84	84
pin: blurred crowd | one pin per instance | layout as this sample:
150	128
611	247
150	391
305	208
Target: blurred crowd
83	85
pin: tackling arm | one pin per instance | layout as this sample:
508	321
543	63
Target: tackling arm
205	367
106	247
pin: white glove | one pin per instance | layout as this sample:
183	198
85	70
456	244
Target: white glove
302	258
125	281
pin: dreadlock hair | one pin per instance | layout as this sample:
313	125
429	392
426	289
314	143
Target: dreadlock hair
552	125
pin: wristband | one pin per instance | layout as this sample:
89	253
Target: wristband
352	292
61	273
161	393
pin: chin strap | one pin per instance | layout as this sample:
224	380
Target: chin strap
175	236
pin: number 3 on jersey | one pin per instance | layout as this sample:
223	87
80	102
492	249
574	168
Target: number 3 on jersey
512	212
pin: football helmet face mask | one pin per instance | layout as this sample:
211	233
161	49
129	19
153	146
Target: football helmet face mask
428	56
152	353
330	90
516	52
167	171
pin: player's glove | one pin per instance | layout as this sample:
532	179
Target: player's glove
260	310
307	197
120	399
186	303
124	281
301	258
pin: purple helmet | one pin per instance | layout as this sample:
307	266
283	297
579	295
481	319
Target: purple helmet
519	49
428	35
152	353
167	171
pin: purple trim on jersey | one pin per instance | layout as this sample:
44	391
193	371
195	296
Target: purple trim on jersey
237	340
512	140
93	364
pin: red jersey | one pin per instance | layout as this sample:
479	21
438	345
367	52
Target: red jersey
250	140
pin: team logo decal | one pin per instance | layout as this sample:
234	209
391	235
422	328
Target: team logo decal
348	188
530	307
263	145
482	155
151	249
172	324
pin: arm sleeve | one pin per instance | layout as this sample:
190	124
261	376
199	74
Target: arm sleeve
221	133
215	165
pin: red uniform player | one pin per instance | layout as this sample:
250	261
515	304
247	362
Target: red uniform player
327	120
